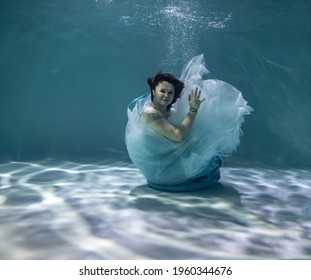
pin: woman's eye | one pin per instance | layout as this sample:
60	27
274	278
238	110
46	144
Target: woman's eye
163	91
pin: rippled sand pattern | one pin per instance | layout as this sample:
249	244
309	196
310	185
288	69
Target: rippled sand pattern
65	210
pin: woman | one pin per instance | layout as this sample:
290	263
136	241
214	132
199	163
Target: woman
165	89
177	134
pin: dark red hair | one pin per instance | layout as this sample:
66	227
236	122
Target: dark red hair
160	77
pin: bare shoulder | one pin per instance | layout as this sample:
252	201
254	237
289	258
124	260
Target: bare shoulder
150	114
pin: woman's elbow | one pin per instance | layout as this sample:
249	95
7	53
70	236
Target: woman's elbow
178	137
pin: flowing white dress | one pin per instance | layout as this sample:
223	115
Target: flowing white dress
216	131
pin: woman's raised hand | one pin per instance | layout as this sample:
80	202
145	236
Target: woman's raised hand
194	99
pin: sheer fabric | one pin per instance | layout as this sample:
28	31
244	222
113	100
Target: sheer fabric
192	163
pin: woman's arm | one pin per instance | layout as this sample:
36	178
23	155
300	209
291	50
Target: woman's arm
163	127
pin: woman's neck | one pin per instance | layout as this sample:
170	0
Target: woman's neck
160	108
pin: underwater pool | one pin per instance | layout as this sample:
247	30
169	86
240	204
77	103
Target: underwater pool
69	70
67	210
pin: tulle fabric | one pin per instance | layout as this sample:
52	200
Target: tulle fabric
215	133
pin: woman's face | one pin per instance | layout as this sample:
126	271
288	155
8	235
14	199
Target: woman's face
163	94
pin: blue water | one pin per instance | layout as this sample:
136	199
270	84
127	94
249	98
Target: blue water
67	187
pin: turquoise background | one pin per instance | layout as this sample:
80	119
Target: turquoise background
69	69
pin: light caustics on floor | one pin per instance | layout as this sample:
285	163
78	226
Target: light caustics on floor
66	210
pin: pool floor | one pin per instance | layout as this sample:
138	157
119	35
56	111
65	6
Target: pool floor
66	210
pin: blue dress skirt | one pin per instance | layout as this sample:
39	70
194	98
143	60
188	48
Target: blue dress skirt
193	163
